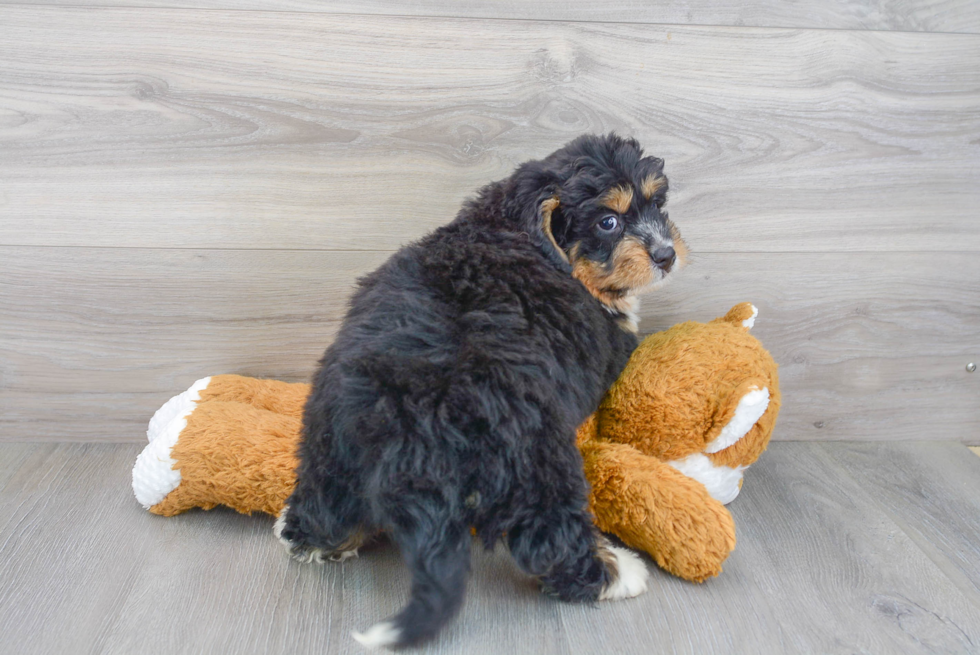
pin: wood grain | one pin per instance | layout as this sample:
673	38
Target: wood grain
70	553
831	563
93	340
937	511
870	345
905	15
821	566
817	568
229	129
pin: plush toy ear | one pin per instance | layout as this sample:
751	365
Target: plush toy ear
743	314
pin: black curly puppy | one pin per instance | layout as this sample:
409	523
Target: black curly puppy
452	393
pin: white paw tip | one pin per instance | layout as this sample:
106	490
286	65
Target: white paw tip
378	635
181	404
633	574
750	321
747	413
154	475
278	526
721	482
343	555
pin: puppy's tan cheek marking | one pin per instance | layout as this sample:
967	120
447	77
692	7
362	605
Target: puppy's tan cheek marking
618	199
651	185
588	273
632	267
547	207
680	246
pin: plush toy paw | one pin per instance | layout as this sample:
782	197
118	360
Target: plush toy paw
653	507
227	440
154	475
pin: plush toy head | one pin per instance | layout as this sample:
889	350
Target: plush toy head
695	405
697	388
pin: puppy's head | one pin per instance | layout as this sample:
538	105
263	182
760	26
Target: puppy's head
600	210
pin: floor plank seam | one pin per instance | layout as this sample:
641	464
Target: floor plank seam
503	19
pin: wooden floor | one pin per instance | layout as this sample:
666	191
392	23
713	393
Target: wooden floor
843	548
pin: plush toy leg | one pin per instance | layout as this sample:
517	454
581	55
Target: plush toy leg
653	507
272	395
227	440
154	474
203	454
235	455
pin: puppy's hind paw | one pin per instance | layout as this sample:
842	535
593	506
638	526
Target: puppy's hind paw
307	554
628	574
379	635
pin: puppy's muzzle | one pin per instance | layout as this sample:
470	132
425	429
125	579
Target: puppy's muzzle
664	258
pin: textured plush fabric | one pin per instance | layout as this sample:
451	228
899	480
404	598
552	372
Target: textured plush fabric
238	448
655	508
272	395
678	391
676	394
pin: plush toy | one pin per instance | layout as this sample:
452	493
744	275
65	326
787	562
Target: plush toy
665	451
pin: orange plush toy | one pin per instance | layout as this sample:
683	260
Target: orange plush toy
665	451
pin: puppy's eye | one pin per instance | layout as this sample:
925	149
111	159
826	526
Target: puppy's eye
608	224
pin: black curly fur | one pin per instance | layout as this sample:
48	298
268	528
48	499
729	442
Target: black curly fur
451	395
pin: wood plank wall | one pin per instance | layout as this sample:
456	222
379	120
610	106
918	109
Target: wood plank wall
191	188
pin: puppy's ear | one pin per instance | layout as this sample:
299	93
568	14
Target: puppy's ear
538	224
532	199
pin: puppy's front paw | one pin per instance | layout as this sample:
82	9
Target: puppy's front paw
627	574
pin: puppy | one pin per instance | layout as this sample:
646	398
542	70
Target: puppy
451	395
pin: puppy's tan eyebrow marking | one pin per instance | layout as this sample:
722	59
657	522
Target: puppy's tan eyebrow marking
651	185
618	199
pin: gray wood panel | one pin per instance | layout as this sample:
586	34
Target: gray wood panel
820	567
225	129
870	345
70	553
93	340
906	15
937	511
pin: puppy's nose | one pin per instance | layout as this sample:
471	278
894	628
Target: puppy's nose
664	257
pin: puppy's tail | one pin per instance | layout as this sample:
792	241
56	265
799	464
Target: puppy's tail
440	563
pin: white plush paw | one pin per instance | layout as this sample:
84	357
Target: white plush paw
722	482
154	475
378	635
632	578
180	405
750	409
